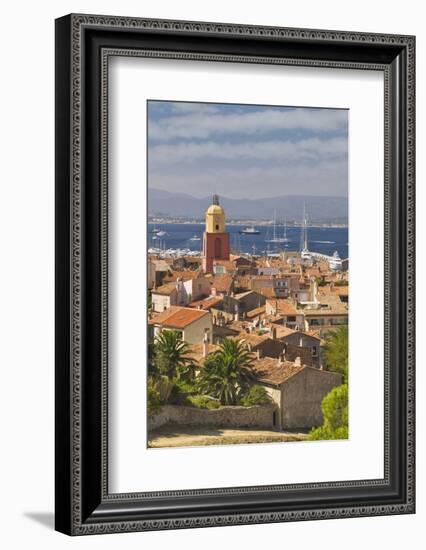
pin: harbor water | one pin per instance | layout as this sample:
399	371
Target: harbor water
325	240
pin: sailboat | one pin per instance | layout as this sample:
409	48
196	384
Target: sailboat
275	237
304	251
285	238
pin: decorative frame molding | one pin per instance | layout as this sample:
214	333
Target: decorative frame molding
84	43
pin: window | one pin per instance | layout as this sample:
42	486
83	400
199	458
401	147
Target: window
217	227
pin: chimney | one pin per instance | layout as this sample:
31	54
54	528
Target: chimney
258	353
298	362
205	343
274	333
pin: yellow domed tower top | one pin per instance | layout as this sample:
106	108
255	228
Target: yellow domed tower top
215	217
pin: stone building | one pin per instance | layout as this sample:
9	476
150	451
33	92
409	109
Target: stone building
297	390
240	304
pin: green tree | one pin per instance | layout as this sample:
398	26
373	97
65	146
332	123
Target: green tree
256	395
154	398
336	352
171	355
226	374
335	415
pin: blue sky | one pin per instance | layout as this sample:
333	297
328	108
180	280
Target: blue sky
247	151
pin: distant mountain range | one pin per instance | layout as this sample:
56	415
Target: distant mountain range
319	209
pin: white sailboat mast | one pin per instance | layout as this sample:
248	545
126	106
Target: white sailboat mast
275	222
305	224
304	231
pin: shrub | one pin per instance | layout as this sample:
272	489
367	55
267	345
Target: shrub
256	395
153	396
335	412
202	402
336	352
186	386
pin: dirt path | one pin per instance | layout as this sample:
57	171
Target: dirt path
184	437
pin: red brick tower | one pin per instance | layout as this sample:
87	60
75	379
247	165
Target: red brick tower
215	238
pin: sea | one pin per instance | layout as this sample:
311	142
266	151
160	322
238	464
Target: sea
325	240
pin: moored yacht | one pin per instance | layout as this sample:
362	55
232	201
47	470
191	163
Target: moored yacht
249	231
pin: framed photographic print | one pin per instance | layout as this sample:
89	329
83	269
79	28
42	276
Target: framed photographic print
212	182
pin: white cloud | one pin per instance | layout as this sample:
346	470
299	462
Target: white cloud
192	108
202	124
312	149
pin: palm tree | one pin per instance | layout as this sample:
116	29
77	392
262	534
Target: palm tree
226	373
336	351
171	357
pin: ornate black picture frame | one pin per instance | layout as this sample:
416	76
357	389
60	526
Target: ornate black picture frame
83	45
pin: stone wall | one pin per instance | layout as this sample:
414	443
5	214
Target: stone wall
259	416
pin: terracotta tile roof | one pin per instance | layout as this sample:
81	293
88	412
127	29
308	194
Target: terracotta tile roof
268	292
255	312
341	290
242	260
282	306
186	275
177	317
222	283
251	338
240	326
329	305
161	265
165	290
197	351
244	294
282	331
206	303
268	369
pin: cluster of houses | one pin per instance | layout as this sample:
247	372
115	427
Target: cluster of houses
280	308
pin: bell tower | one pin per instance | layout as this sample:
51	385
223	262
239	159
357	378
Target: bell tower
215	238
